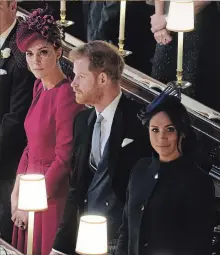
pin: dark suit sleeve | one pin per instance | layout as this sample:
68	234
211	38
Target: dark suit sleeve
122	246
12	125
65	240
200	215
109	15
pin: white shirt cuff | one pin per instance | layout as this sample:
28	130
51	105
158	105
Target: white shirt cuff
59	252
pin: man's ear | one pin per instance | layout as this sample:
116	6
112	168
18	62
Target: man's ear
102	78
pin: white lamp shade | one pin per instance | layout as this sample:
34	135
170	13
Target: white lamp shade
92	235
181	16
32	193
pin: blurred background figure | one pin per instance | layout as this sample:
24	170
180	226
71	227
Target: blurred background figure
201	51
101	19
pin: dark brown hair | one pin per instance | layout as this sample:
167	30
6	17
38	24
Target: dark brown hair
103	57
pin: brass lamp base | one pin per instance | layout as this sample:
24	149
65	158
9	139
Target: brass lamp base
183	84
125	53
65	23
179	82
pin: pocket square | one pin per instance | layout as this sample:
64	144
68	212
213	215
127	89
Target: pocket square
3	72
126	141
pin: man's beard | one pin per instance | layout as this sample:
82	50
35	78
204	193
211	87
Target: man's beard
89	98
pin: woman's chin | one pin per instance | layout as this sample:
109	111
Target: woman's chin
38	74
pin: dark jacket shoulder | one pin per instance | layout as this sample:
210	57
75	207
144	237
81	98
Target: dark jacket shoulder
83	115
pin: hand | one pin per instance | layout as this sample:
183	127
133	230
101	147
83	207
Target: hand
163	36
14	194
14	203
158	22
20	219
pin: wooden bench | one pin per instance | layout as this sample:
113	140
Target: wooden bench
9	247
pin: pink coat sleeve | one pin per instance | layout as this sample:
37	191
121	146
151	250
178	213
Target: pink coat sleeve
67	109
22	167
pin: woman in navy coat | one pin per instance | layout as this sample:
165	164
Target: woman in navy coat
170	201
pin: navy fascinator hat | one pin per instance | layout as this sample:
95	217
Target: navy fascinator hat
171	96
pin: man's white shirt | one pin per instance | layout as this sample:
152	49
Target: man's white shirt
108	114
5	34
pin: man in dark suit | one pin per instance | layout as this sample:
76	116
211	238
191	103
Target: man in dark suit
108	140
16	84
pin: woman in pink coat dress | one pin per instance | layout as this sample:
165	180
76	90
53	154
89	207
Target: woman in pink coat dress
48	126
